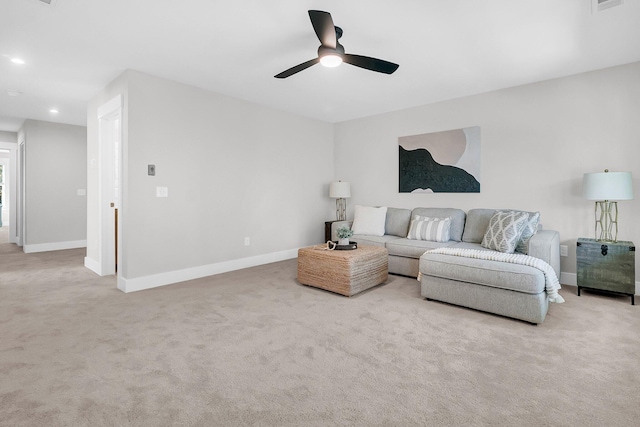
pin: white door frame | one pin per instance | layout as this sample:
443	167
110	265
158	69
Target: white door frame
109	187
13	185
21	205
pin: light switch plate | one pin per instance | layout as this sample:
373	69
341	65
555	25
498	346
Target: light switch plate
162	192
151	170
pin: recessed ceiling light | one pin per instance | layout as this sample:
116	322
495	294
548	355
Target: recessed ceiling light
17	61
53	111
14	93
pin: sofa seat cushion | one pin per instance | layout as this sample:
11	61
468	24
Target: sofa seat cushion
363	239
413	248
504	275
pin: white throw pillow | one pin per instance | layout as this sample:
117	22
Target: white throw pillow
369	220
432	229
505	228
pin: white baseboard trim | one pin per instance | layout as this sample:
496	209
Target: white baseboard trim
568	278
57	246
93	265
170	277
572	280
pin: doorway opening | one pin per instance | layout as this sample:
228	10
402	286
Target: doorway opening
4	202
110	175
8	192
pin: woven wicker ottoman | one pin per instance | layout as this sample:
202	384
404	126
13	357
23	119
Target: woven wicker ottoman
343	272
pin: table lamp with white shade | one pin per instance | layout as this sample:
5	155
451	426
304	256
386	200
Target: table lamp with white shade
606	188
340	191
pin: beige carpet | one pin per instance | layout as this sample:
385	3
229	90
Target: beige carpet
255	348
4	235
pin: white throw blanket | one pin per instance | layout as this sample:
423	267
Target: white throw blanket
552	285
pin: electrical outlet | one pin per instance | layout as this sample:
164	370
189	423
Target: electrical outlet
247	241
564	250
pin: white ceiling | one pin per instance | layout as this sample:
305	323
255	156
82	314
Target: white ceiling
446	49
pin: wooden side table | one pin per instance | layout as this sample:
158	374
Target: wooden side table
327	230
607	266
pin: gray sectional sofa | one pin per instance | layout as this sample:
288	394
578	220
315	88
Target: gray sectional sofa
507	289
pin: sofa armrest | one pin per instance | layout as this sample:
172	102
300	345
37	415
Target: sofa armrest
337	224
545	245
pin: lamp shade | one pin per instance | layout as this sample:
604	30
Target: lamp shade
607	186
340	190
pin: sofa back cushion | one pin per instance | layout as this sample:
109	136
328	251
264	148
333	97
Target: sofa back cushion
477	224
457	219
397	222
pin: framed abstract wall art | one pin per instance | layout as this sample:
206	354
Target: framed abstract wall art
440	162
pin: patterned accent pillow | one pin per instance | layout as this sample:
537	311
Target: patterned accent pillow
530	228
505	228
433	229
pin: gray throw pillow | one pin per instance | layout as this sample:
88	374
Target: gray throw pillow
505	229
530	228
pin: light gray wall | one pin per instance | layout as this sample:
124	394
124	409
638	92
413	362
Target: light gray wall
536	143
233	170
8	136
55	168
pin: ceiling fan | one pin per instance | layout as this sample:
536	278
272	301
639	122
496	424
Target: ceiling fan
331	52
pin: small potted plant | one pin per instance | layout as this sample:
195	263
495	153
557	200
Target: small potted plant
344	233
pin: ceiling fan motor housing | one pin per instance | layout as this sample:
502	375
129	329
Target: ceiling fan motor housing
324	50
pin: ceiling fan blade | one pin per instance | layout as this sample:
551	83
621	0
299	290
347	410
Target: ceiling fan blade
324	28
372	64
291	71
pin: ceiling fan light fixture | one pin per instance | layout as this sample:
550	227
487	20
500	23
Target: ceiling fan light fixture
331	60
331	52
